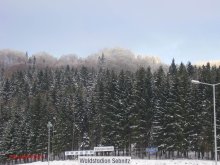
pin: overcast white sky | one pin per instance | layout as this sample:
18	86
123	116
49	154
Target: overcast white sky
187	30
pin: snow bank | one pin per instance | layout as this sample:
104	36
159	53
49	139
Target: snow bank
137	162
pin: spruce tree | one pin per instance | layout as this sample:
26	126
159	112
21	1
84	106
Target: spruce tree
160	97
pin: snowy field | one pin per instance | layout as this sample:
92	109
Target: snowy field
137	162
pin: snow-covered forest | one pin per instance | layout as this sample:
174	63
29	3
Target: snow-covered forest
93	106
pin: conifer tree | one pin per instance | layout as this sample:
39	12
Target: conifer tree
140	112
125	102
160	97
172	127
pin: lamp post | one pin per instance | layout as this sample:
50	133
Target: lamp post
215	136
53	137
49	125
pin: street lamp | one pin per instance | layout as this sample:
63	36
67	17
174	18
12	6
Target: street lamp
215	138
49	125
53	136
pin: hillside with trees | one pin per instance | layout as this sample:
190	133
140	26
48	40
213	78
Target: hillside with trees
116	59
102	105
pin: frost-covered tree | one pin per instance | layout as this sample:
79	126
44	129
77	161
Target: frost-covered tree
160	97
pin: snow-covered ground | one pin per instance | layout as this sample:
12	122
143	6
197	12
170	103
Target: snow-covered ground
137	162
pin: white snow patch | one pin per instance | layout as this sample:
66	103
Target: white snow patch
137	162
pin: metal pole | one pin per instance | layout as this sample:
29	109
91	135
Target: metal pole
73	131
215	125
48	126
53	137
52	143
48	145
